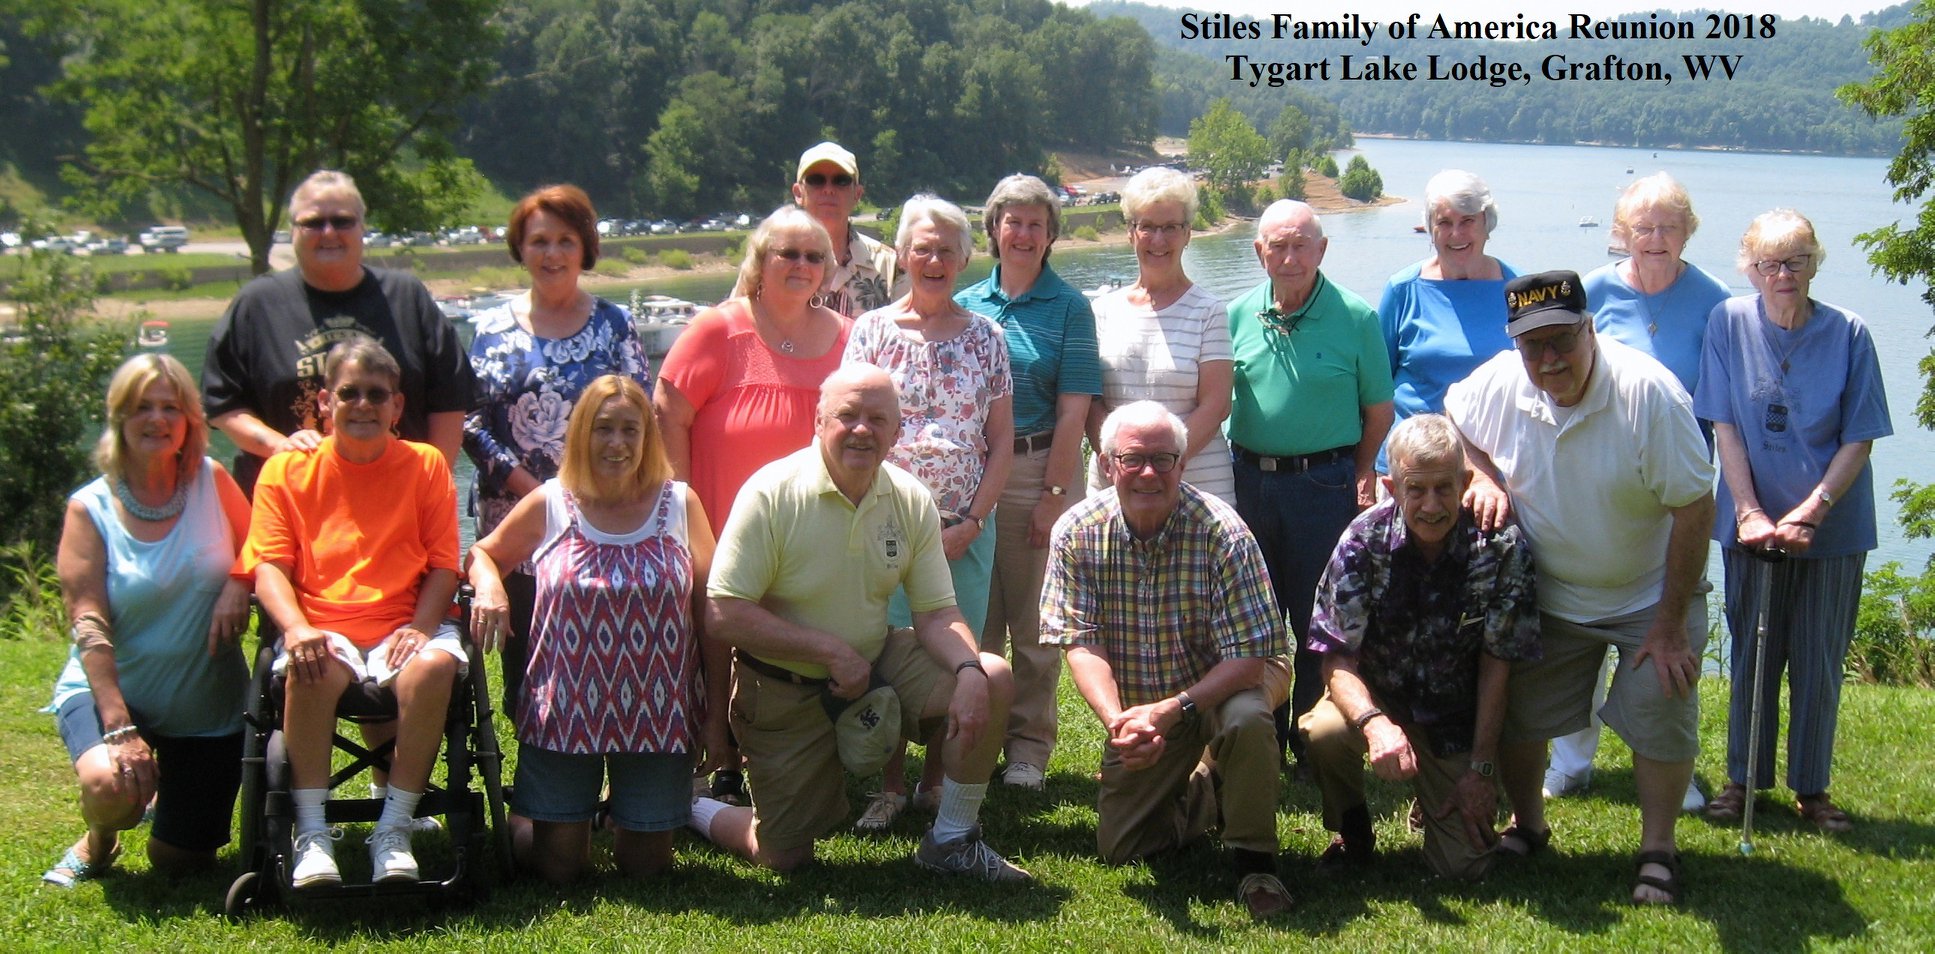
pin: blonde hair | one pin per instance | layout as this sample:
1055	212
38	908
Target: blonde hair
1159	184
1657	191
1775	228
124	393
328	180
649	469
760	243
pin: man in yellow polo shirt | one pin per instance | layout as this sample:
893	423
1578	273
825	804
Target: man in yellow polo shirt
816	544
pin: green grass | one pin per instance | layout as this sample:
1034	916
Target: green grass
1799	891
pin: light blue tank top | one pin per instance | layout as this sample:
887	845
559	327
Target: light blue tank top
160	598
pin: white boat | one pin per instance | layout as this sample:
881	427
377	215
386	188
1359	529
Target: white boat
1107	287
153	336
660	320
1588	222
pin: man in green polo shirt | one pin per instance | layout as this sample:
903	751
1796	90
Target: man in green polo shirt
816	544
1311	406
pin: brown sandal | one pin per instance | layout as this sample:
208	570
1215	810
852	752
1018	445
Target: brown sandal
1729	805
1671	885
1822	812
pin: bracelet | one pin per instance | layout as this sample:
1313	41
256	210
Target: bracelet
120	735
974	664
1361	721
1750	511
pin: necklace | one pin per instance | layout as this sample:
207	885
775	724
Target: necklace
1792	334
1666	293
141	511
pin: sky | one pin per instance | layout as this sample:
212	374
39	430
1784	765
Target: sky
1509	9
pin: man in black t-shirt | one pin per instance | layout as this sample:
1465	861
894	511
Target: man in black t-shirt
263	371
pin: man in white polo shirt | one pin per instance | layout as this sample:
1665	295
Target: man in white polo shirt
1592	447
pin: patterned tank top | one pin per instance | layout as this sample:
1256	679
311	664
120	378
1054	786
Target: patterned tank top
614	663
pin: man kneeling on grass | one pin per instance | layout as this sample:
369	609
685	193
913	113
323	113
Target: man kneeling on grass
1418	619
354	551
1159	595
815	546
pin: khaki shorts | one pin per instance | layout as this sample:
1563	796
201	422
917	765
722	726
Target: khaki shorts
1553	696
792	763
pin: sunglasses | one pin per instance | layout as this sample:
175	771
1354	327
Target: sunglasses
819	180
317	223
350	394
812	256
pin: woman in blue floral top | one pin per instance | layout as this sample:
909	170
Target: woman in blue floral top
533	356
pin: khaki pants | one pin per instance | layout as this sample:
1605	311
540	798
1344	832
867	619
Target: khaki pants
1175	800
1013	627
1336	755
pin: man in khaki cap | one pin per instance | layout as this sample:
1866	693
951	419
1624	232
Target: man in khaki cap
827	185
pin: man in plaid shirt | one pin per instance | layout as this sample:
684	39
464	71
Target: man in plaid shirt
1159	596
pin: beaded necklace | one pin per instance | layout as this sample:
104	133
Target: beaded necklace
141	511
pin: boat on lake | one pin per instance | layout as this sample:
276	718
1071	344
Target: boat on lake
153	336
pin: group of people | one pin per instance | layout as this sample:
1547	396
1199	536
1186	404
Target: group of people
853	511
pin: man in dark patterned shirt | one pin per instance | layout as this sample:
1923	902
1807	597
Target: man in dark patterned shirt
1418	618
1159	596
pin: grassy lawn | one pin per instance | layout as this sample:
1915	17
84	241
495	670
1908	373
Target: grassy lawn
1799	891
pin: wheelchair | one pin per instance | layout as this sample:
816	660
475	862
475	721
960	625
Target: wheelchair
473	820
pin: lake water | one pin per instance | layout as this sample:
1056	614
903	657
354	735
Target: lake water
1542	192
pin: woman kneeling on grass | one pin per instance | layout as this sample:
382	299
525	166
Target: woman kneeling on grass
621	552
150	704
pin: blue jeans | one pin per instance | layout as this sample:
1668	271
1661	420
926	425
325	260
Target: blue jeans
1297	519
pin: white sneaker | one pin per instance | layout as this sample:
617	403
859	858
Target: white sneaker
390	857
315	857
1025	775
1694	800
1558	784
426	823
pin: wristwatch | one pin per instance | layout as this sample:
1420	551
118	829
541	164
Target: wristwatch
1827	499
1482	767
1056	490
1188	706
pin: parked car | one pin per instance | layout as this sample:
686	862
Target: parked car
376	240
106	245
55	243
9	241
163	238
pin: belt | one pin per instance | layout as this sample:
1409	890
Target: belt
765	668
1295	464
1034	442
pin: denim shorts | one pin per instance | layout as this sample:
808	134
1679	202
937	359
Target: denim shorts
650	791
197	776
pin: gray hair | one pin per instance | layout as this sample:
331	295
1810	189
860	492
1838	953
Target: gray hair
761	242
1159	184
1423	439
1774	228
946	216
329	180
1285	208
1464	192
1138	413
366	353
1657	191
1019	189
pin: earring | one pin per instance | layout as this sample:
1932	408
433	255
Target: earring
817	301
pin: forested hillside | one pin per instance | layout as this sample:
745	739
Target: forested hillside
1781	98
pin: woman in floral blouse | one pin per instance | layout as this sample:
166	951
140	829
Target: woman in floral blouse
533	356
956	419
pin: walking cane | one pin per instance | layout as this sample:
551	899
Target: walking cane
1764	560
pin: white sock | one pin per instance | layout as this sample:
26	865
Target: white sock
379	792
704	808
309	808
399	809
960	809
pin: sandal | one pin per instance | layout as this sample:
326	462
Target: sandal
1824	814
1669	885
1523	842
1729	805
70	870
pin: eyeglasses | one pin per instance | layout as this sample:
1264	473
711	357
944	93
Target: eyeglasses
812	256
1648	231
350	394
1168	230
1133	463
1796	265
317	223
820	179
1560	343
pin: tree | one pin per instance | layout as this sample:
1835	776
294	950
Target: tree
241	100
1290	131
1904	85
1227	148
1360	181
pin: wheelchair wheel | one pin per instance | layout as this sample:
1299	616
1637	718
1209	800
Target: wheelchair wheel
244	896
